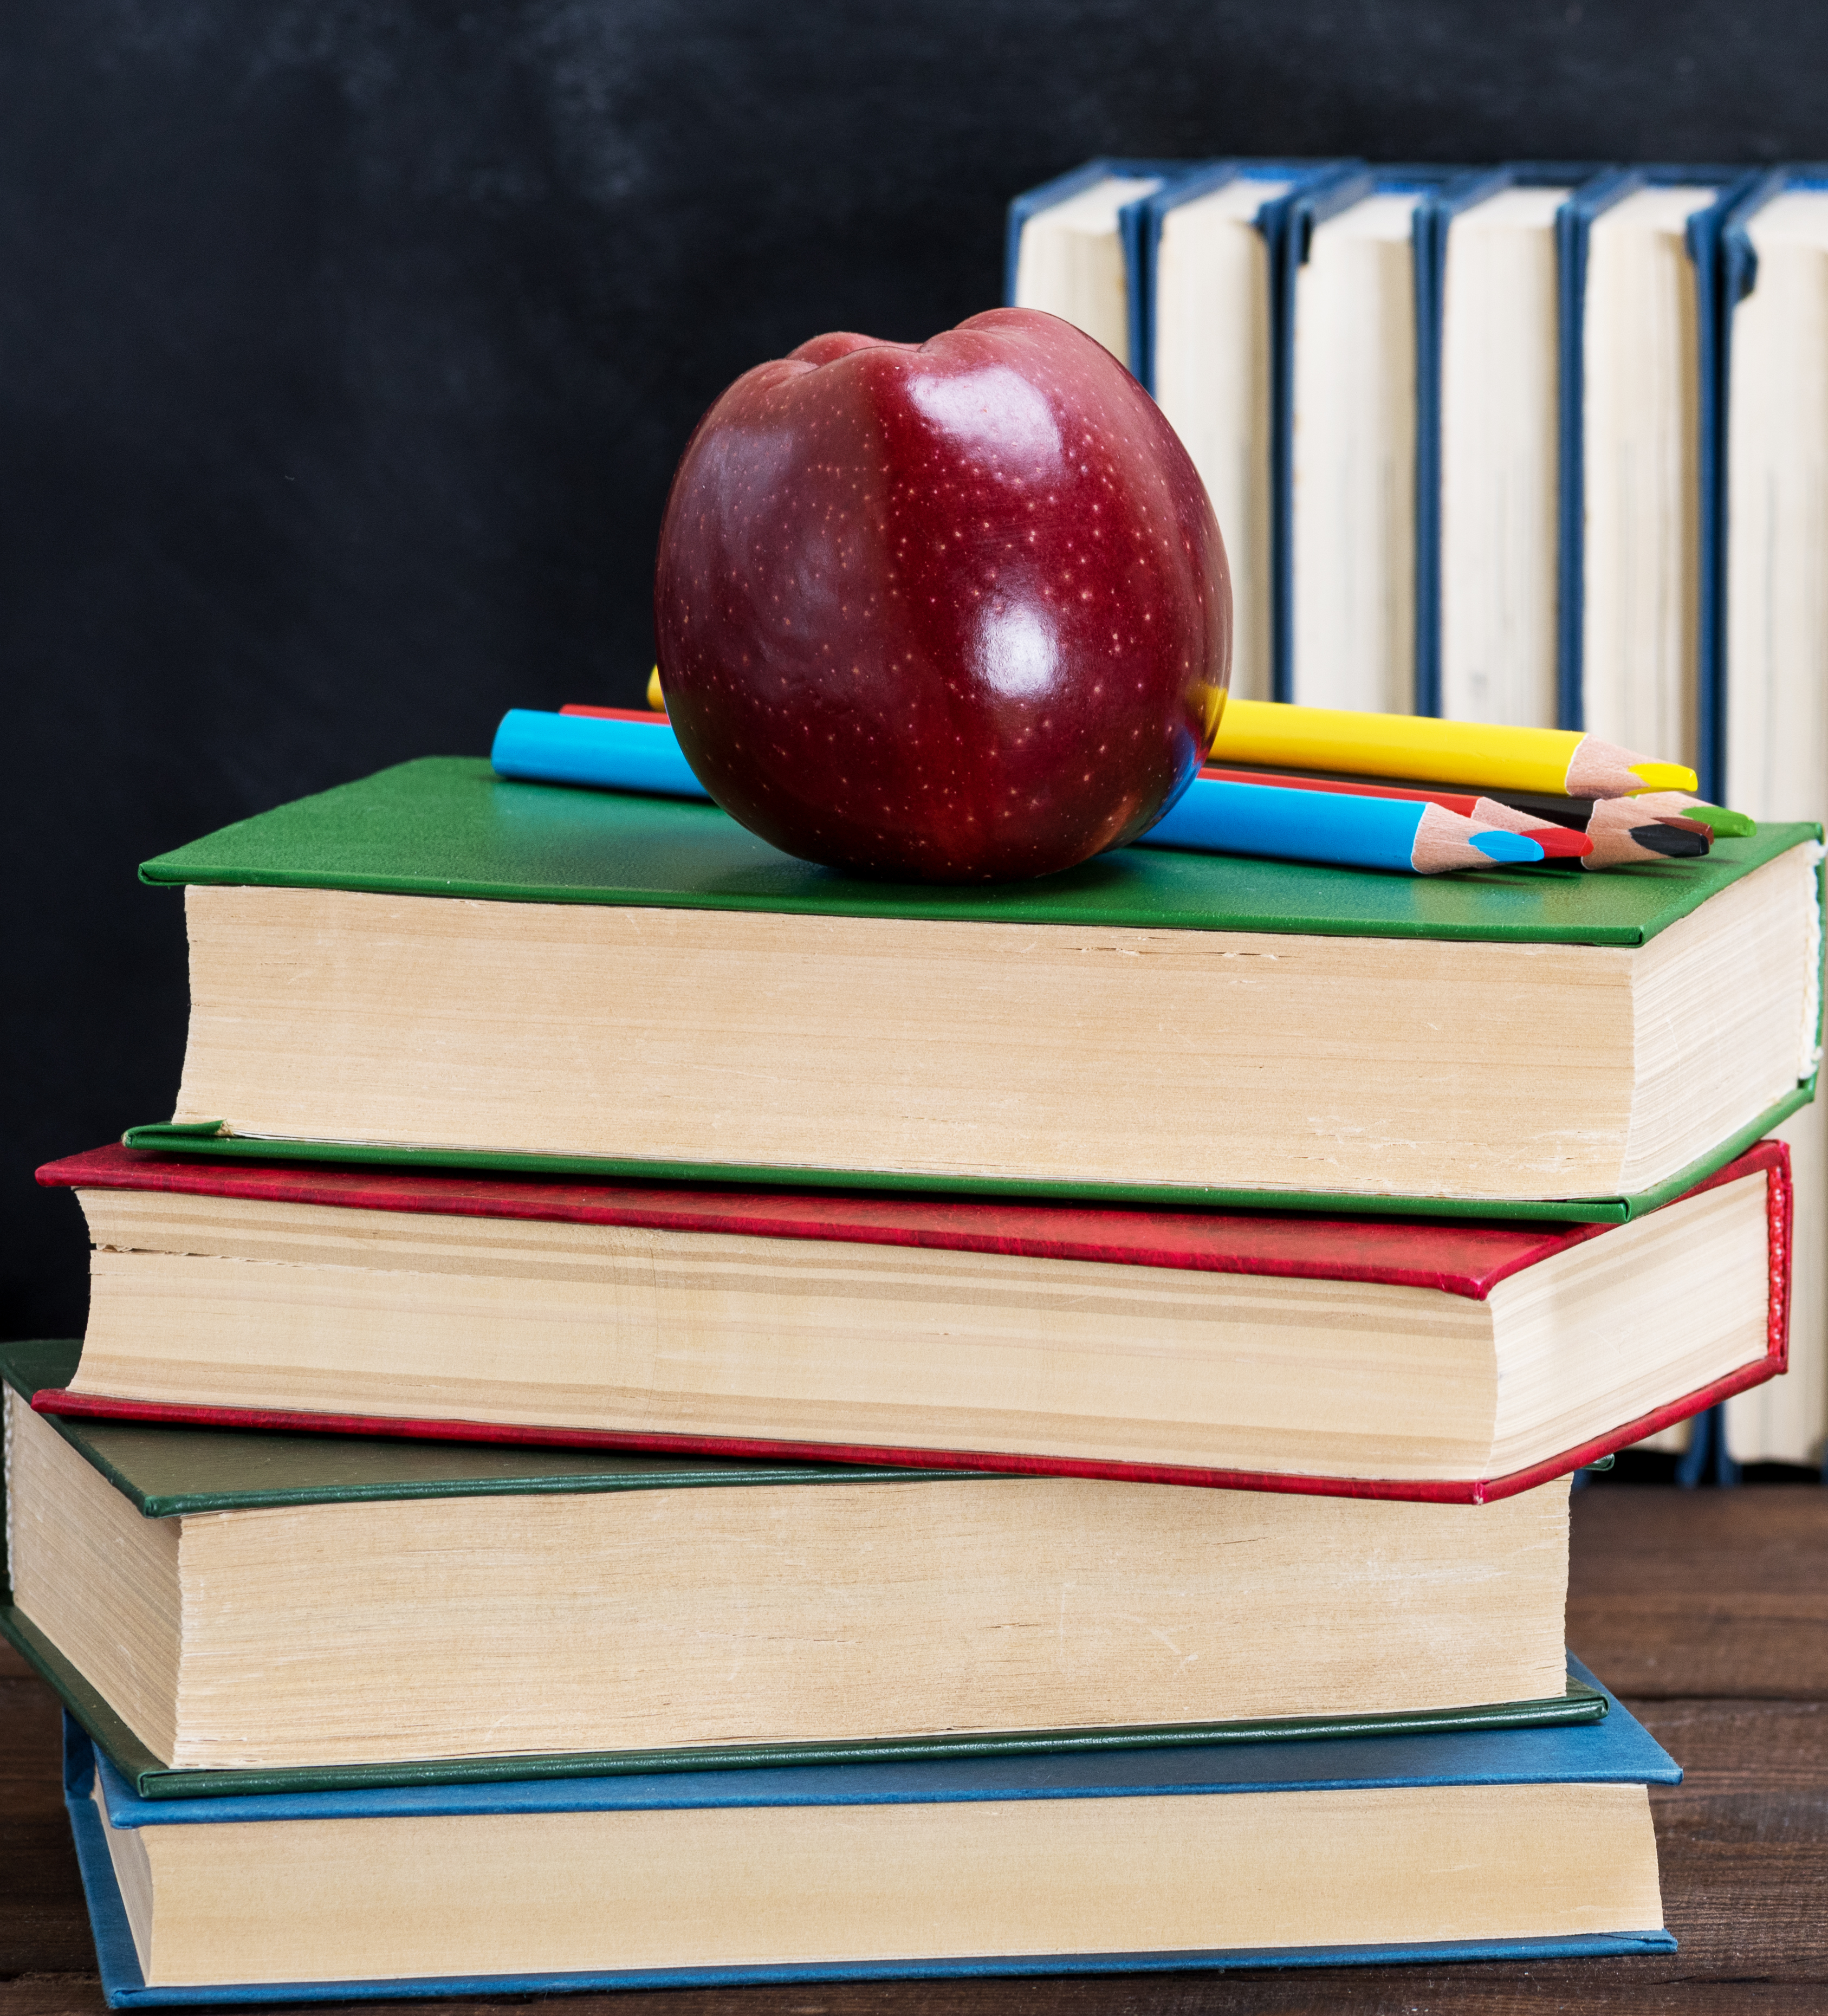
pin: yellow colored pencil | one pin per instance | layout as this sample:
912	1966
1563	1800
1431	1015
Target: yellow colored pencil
1261	734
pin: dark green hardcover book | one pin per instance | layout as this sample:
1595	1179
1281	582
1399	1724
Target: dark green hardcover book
436	963
286	1546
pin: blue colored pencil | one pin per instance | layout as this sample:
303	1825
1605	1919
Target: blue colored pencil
1404	834
590	749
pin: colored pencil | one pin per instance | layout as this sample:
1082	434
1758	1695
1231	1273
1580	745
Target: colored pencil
641	714
614	746
1537	808
1603	833
1628	829
1411	836
1557	841
1264	735
623	749
1721	824
1721	821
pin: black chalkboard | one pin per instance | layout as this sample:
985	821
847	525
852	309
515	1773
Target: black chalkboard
346	348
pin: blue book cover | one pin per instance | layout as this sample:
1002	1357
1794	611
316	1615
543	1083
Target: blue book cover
1615	1751
1739	261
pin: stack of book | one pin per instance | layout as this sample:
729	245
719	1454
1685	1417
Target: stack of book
661	1415
1544	444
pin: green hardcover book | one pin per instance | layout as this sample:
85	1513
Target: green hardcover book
231	1613
436	963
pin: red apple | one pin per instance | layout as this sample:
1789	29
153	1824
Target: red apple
954	611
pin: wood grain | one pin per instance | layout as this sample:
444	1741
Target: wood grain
1711	1606
1676	1594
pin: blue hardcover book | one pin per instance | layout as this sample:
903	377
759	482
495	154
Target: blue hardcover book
1771	644
1487	518
1265	190
1209	265
1770	727
1526	1844
1347	384
1075	247
1638	650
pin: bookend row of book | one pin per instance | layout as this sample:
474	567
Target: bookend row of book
1156	276
1543	443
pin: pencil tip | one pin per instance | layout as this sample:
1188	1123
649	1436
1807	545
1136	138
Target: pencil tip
1496	845
1679	843
1723	823
1663	776
1559	842
1601	769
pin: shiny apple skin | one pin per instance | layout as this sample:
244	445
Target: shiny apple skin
957	611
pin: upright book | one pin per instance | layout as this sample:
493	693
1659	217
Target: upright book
1640	312
1500	499
437	962
1774	647
1525	1844
1074	247
1567	516
1422	1359
1174	266
1488	500
1208	275
1357	277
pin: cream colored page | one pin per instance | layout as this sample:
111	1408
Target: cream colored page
632	1329
133	1872
1646	1315
1354	558
104	1588
1777	519
1640	424
1212	350
1776	675
1734	984
786	1884
1234	1057
1499	465
1070	261
640	1619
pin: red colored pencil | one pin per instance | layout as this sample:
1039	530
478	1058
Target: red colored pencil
1554	840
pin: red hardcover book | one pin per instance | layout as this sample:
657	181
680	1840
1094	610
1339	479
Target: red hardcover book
1429	1359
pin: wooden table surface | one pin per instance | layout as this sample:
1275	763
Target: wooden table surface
1706	1612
